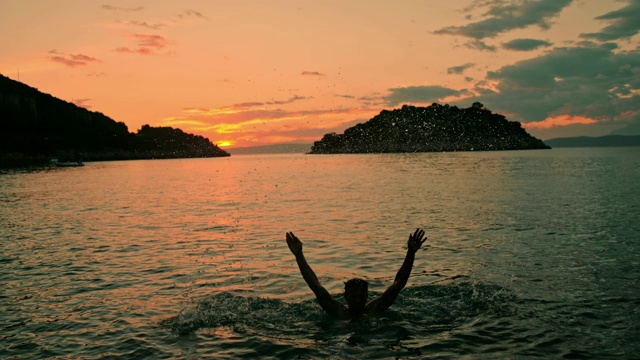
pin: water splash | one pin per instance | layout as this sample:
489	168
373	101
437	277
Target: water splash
433	306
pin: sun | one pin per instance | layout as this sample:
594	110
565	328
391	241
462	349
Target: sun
225	143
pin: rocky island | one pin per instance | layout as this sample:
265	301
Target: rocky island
429	129
37	127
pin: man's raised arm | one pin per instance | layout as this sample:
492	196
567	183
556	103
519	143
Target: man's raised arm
389	296
328	303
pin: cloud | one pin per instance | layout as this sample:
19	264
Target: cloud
153	26
504	16
255	104
140	51
184	15
374	100
151	41
459	69
525	44
479	45
418	94
80	57
312	73
124	9
579	82
561	120
145	44
246	105
288	101
624	23
191	13
71	60
633	128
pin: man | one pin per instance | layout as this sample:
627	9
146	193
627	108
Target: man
356	290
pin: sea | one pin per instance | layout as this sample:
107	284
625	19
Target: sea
530	254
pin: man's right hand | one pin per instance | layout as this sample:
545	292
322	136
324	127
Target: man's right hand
295	245
415	240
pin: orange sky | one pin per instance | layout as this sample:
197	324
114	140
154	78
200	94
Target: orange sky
260	72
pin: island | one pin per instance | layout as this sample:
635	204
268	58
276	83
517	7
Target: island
37	127
430	129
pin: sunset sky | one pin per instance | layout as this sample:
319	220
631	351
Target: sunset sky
247	73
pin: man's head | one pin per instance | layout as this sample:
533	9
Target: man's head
356	292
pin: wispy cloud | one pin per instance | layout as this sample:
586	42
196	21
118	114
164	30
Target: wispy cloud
139	51
158	24
312	73
71	60
191	13
151	41
419	94
256	104
480	45
373	100
346	96
145	44
624	23
145	24
459	69
287	101
503	16
247	105
525	44
120	8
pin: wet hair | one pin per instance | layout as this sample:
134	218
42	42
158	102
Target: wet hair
355	285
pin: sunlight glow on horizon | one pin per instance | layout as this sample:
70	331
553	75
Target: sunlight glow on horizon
225	143
295	70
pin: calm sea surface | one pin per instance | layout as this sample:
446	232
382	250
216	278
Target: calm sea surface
531	254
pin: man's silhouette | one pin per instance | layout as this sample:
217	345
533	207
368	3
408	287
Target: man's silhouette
356	290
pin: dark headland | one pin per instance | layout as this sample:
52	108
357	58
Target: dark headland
37	127
430	129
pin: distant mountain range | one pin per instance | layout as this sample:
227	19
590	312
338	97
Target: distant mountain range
600	141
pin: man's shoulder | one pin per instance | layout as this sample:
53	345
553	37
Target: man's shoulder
341	311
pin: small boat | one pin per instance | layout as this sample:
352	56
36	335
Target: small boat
66	163
70	164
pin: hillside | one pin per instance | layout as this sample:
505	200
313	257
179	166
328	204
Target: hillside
428	129
600	141
37	126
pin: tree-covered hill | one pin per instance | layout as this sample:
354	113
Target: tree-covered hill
427	129
36	127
